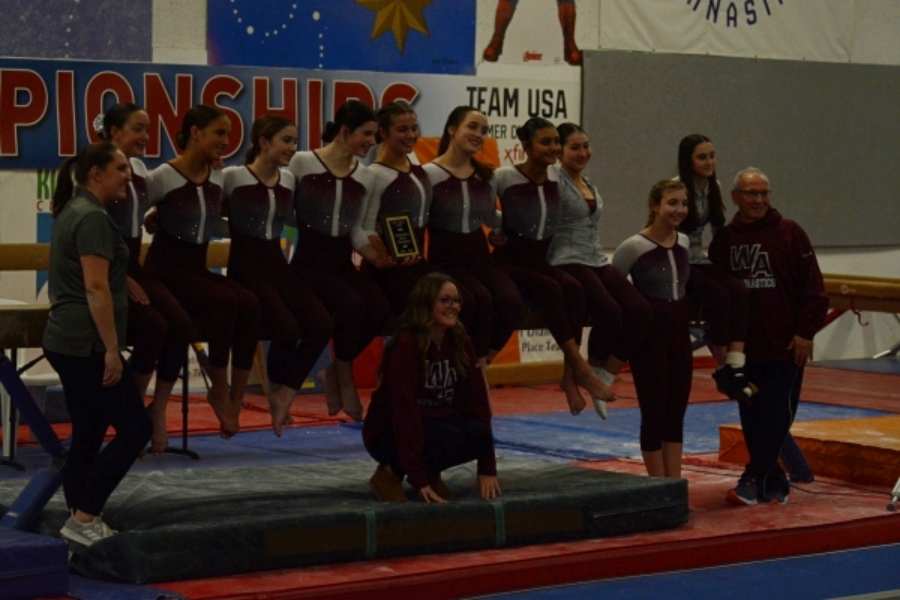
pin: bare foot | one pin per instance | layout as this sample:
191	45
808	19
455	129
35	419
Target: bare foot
350	401
280	406
273	387
220	400
590	382
328	378
573	396
160	438
349	396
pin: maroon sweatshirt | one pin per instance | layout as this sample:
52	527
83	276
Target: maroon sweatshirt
406	397
777	263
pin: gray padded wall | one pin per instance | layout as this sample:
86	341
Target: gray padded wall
828	136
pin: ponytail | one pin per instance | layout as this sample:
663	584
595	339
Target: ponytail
353	114
65	187
199	116
267	126
94	155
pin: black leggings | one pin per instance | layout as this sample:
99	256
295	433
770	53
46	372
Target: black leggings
90	474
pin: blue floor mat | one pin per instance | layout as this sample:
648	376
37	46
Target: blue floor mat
833	575
587	437
82	588
557	437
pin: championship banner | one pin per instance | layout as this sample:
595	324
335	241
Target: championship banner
47	107
814	30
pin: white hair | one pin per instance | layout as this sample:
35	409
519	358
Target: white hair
736	186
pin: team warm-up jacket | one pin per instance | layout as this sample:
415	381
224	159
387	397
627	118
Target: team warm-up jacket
777	263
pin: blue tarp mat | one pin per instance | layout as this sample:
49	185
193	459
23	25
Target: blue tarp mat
834	575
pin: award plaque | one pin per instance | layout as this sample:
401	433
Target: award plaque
400	236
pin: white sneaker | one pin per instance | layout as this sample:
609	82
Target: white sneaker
600	407
86	533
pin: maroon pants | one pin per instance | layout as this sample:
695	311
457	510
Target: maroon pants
359	308
159	332
498	308
663	368
230	314
559	294
620	316
297	324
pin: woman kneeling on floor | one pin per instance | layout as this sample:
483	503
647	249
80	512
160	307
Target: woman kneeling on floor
418	426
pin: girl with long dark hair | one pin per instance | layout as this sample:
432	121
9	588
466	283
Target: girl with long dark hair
529	198
723	296
188	194
620	317
462	206
331	191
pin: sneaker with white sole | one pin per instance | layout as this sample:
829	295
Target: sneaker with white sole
86	533
745	493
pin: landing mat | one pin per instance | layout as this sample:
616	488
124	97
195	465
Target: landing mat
215	522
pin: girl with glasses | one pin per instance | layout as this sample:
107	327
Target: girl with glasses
431	409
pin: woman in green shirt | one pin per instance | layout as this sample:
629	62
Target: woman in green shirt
88	265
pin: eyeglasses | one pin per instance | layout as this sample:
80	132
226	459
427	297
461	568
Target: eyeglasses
448	301
754	195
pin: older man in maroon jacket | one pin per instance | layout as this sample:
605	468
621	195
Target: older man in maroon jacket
788	303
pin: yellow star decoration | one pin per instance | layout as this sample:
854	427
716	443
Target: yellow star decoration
399	16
